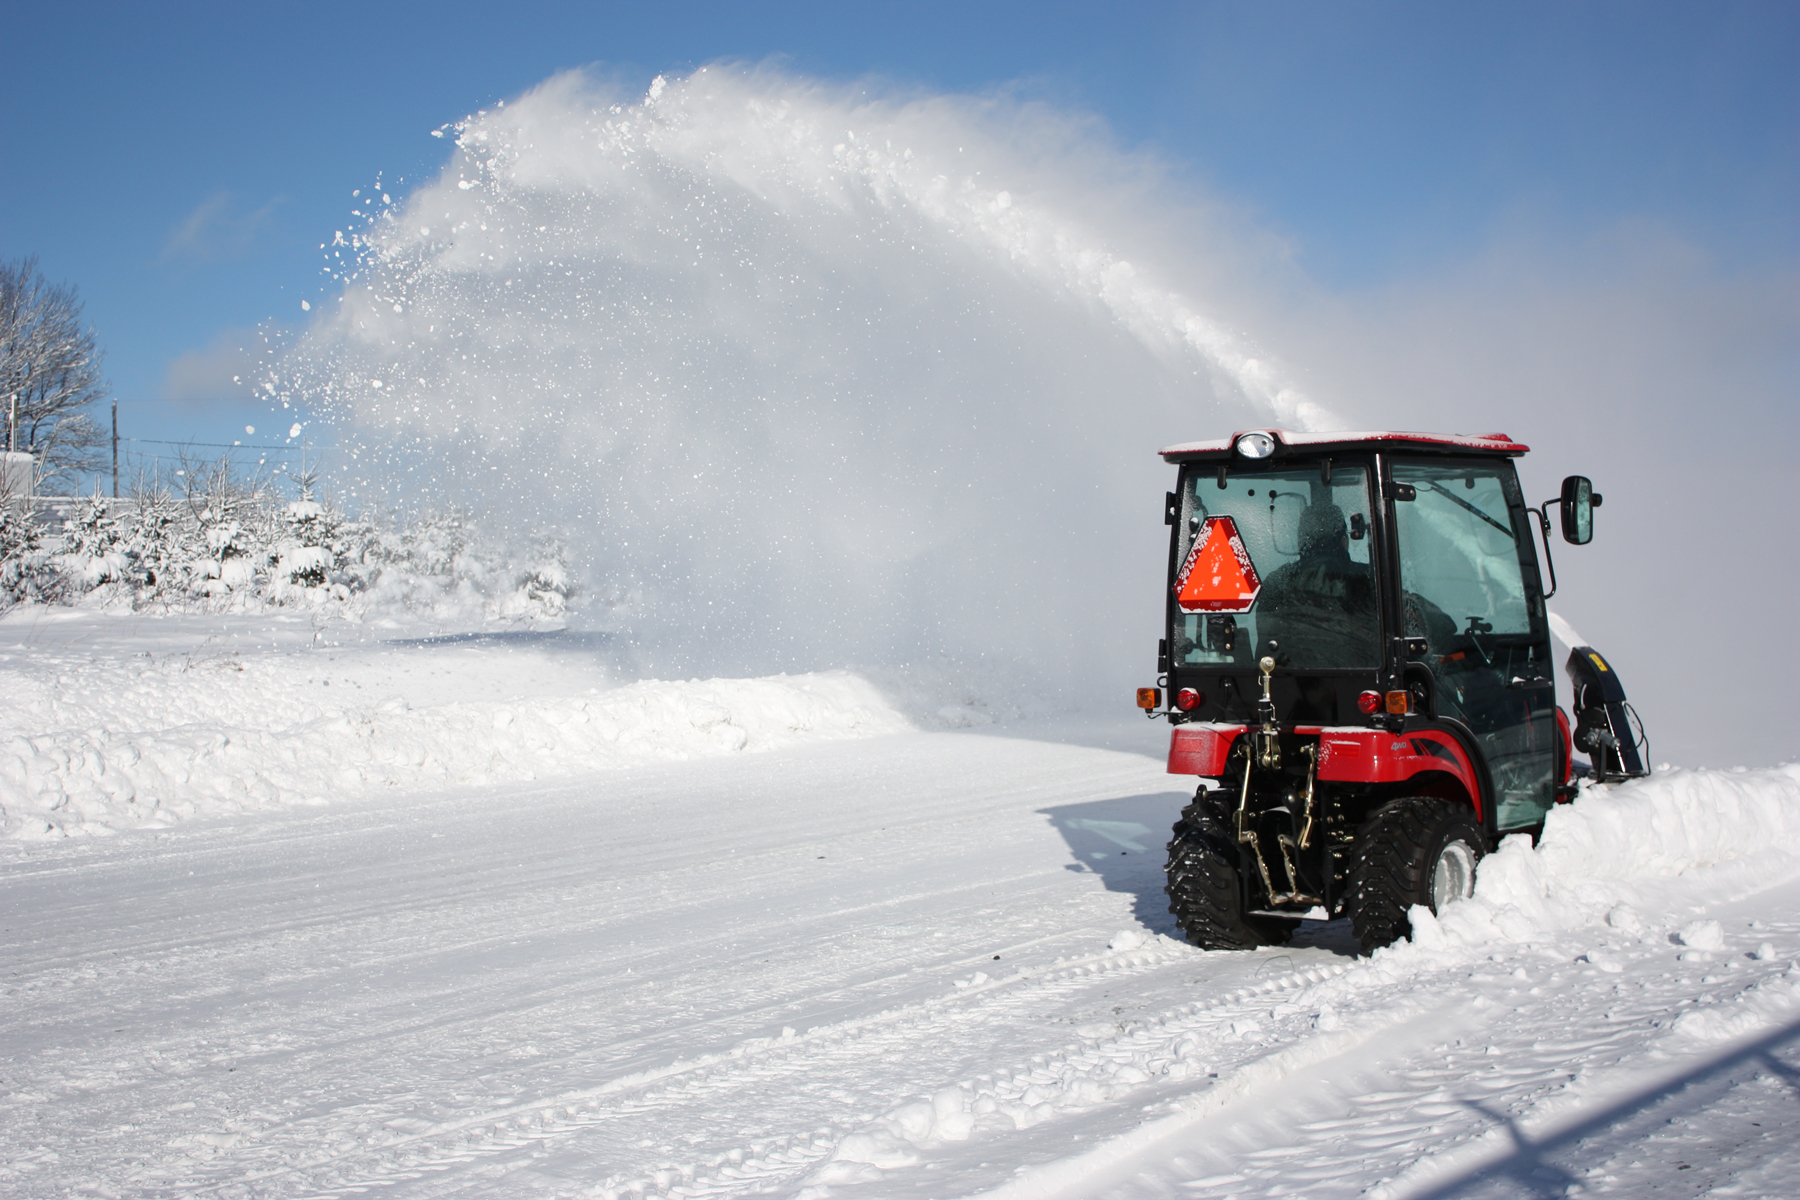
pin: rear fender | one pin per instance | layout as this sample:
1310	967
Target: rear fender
1430	757
1441	784
1201	748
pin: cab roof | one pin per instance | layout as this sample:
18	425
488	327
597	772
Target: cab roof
1291	440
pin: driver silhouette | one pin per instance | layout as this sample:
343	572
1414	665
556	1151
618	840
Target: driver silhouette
1320	608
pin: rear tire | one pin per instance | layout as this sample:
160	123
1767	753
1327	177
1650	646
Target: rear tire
1206	894
1417	850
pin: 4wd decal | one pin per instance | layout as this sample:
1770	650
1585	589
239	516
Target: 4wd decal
1218	576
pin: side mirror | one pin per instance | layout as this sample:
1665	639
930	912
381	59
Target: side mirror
1578	505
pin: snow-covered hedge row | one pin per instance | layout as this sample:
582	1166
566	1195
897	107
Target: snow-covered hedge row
232	547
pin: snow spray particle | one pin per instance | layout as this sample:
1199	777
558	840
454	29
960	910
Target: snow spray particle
813	378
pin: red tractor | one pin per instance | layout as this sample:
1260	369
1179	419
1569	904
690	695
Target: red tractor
1358	668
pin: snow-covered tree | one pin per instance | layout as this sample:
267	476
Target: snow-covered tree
544	585
161	555
23	559
94	546
436	543
226	516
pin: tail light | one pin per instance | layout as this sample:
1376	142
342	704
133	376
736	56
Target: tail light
1397	704
1149	698
1369	703
1187	699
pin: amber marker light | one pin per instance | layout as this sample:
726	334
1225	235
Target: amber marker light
1396	704
1149	698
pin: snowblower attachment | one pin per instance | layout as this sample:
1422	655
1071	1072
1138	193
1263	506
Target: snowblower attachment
1603	717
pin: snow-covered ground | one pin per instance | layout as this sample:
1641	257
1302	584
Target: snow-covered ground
297	908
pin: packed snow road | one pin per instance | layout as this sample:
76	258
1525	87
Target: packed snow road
768	937
274	1001
922	964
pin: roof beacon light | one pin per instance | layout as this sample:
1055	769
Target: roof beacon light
1256	445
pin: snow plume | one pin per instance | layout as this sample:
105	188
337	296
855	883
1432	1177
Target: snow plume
826	377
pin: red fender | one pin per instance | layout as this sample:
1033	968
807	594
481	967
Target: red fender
1377	756
1201	749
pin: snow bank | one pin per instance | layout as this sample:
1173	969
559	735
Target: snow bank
1618	847
115	720
231	740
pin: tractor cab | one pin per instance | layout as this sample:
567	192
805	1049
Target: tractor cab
1355	620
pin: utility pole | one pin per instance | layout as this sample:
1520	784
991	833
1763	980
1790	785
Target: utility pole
115	449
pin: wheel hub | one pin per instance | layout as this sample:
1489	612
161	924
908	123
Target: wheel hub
1453	878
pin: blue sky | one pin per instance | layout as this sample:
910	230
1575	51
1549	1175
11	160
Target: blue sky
180	163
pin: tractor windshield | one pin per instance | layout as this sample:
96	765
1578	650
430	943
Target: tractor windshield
1275	562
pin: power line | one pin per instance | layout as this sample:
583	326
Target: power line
227	445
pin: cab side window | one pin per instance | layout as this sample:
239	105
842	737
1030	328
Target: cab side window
1459	554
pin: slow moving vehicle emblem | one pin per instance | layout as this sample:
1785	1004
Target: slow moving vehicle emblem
1218	576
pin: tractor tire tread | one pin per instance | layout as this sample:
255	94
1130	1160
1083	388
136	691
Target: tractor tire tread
1204	891
1389	871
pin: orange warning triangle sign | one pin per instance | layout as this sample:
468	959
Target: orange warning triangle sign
1218	575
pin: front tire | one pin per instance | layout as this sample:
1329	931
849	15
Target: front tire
1416	850
1206	894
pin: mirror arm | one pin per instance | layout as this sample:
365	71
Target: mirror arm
1543	516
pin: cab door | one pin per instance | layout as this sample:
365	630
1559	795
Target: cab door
1469	586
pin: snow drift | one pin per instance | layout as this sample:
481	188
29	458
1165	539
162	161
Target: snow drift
99	780
815	376
157	743
115	720
1616	846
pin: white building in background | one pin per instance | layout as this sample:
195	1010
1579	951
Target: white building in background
17	477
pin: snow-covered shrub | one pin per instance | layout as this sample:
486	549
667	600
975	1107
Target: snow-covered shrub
95	546
438	543
222	511
159	555
440	564
24	561
543	587
306	555
231	562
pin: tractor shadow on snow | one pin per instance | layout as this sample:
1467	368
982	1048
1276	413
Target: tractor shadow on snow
1124	841
1551	1164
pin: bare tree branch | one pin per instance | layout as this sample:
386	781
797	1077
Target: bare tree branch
51	364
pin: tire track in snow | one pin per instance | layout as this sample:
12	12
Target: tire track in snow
1443	1099
1098	1068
